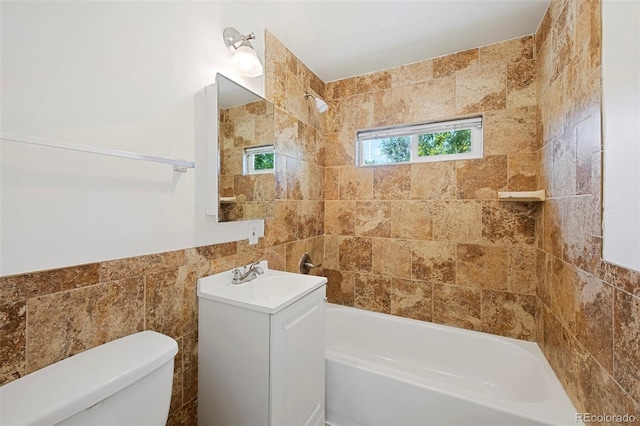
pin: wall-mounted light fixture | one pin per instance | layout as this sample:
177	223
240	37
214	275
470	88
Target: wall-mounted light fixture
320	104
244	61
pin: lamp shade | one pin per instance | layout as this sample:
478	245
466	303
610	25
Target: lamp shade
245	62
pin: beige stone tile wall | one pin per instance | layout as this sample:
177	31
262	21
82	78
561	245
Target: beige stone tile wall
430	241
242	127
50	315
589	310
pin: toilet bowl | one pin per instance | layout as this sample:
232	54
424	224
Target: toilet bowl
124	382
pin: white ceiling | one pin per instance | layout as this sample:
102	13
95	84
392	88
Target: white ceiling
339	39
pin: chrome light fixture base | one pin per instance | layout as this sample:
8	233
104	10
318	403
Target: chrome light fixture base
245	60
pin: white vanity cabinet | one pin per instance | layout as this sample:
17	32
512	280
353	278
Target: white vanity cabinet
261	365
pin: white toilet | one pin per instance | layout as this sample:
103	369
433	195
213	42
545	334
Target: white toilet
124	382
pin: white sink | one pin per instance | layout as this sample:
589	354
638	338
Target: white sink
270	292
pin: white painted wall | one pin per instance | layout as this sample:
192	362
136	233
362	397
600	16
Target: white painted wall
621	132
124	75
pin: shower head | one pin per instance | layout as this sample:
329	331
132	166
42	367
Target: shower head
320	104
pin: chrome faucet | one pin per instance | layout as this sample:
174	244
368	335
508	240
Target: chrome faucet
249	273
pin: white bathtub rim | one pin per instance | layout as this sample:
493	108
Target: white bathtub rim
556	406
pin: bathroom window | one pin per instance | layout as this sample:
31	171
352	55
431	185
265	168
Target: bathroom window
259	159
446	140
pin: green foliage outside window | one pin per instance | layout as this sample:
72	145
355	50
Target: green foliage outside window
455	142
263	161
397	150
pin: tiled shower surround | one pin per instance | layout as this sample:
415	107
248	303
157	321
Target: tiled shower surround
430	241
427	241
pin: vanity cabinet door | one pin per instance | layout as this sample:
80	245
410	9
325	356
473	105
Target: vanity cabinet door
298	362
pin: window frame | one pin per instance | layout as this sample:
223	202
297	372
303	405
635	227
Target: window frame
248	159
475	124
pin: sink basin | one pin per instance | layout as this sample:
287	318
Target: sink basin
270	292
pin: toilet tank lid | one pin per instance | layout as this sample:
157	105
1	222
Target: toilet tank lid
56	392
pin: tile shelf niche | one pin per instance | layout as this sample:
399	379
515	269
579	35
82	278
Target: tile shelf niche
530	196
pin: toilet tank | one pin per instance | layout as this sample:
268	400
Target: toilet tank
124	382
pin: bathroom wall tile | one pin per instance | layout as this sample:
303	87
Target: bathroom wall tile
14	288
392	106
622	278
514	50
433	181
481	89
509	314
433	261
594	318
521	84
563	180
569	360
176	385
294	251
588	166
626	356
581	223
307	137
275	76
410	74
310	219
354	254
356	183
433	100
13	339
522	172
276	256
357	112
457	306
392	182
391	257
331	251
508	223
142	265
339	217
286	129
589	33
450	64
63	324
340	287
331	185
458	221
280	177
190	366
373	292
563	38
412	299
332	116
522	269
187	415
604	394
563	286
412	220
295	103
283	227
373	218
510	131
341	89
171	301
552	218
482	178
340	149
482	266
205	253
296	178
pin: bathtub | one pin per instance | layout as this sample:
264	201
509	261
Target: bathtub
386	370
